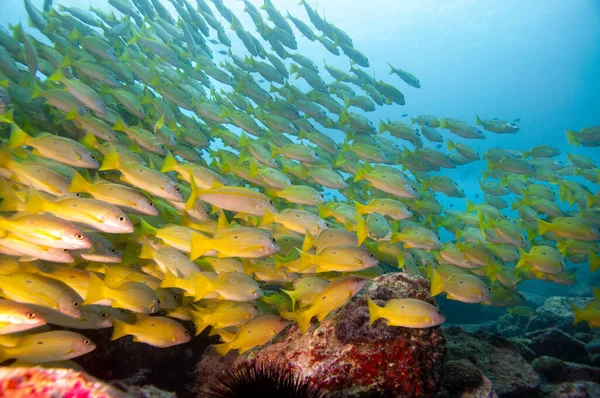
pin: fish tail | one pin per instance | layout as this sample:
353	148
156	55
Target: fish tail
199	322
594	262
292	296
362	229
451	145
522	258
268	218
78	183
443	123
360	173
543	227
7	117
478	120
374	311
96	290
119	125
18	138
572	138
170	163
308	242
57	75
563	247
36	203
306	259
303	320
596	293
222	349
204	287
4	354
111	161
200	245
89	141
578	313
120	329
37	91
437	283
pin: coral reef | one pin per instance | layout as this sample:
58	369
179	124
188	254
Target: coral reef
344	356
556	371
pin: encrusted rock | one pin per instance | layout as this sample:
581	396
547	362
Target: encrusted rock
461	375
558	313
583	389
556	371
497	358
555	343
344	356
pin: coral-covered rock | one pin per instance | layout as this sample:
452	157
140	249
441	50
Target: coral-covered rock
593	346
344	356
556	371
461	375
37	382
497	358
558	313
555	343
523	346
485	390
583	389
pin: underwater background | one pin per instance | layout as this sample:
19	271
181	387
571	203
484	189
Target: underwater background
532	63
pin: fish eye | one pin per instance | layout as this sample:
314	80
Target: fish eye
65	250
112	250
357	279
271	202
327	224
31	315
121	218
103	106
371	255
79	236
207	213
185	332
177	189
158	301
86	342
103	315
78	194
92	156
273	240
151	203
75	303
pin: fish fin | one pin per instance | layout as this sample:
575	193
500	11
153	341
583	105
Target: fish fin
200	245
308	242
96	289
222	349
18	138
199	321
169	164
572	138
36	202
436	284
362	229
303	320
120	329
543	227
579	314
292	296
111	161
374	311
204	286
78	183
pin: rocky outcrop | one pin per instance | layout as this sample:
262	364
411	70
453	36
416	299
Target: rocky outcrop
497	359
344	356
556	312
553	370
555	343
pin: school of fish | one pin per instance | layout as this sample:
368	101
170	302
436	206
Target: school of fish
143	183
